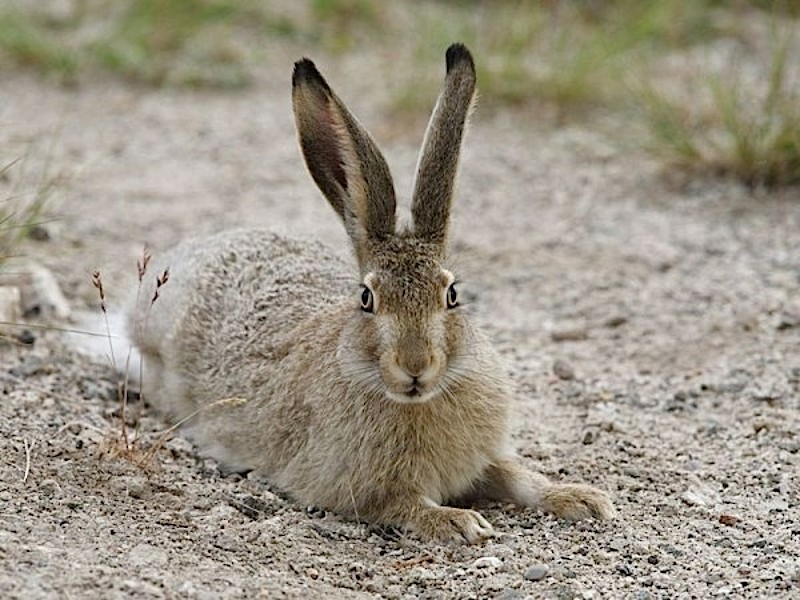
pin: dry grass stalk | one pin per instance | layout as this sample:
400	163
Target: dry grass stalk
160	281
123	446
97	282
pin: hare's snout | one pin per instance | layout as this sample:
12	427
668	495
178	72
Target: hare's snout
412	375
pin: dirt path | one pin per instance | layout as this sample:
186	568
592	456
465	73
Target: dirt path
681	306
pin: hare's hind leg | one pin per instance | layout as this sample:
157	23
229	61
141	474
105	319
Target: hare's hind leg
162	388
507	480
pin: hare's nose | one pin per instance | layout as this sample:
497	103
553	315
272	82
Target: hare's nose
414	366
413	356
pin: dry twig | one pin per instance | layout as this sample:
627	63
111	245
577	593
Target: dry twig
28	449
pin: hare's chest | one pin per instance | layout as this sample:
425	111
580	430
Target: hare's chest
444	457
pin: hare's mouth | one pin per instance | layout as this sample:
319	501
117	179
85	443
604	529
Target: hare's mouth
420	385
415	394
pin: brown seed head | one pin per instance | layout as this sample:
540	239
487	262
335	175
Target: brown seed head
141	264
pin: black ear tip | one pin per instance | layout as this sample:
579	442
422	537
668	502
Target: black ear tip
456	54
305	71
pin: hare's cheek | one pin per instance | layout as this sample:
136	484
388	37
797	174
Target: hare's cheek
454	333
367	338
368	341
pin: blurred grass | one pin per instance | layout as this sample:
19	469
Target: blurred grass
159	41
745	131
204	43
562	51
570	55
22	212
26	42
564	59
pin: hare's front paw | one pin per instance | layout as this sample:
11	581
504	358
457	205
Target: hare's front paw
447	524
575	501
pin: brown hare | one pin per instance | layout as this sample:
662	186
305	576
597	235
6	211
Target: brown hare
366	392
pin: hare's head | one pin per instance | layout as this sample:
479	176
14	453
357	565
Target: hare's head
407	333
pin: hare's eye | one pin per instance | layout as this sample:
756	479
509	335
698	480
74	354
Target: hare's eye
452	296
367	302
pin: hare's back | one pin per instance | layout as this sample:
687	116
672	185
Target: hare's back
235	289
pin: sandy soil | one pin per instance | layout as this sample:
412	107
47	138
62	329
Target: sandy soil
652	329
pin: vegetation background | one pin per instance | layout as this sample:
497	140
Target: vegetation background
709	86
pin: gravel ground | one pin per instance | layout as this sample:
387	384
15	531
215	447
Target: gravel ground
652	329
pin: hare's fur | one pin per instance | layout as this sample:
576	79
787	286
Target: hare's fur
383	411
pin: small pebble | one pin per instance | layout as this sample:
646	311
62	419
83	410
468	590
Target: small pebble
133	486
40	292
147	555
624	569
228	542
619	544
699	494
575	334
729	520
563	370
26	337
10	307
188	589
49	487
537	572
501	551
486	562
788	321
616	321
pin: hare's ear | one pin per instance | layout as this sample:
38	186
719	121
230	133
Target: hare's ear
343	160
438	160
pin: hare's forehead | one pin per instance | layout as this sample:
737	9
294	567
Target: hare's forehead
408	277
381	280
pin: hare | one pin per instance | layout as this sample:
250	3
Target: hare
367	393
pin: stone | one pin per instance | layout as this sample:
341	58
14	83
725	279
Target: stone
10	309
569	334
537	572
133	486
143	555
699	494
49	487
563	370
487	562
40	294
